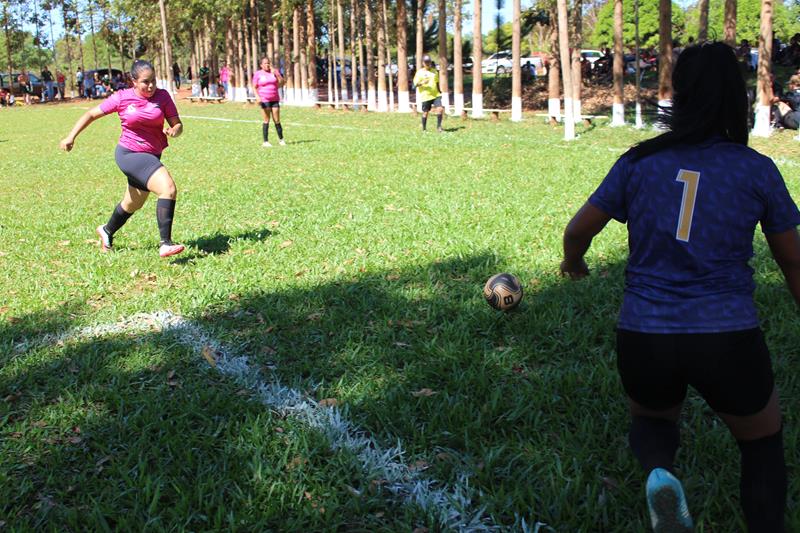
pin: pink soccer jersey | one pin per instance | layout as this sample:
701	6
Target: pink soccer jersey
266	85
142	119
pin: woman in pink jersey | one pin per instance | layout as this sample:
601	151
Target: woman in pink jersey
265	85
142	111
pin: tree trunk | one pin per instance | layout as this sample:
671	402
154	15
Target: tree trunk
332	44
383	104
353	69
566	70
762	128
553	71
702	31
241	83
9	57
94	38
254	50
165	45
444	83
70	72
477	57
664	52
389	75
311	38
276	39
287	53
296	67
301	69
268	25
516	58
248	51
458	62
402	58
342	50
577	38
370	66
730	22
80	36
419	46
362	65
618	107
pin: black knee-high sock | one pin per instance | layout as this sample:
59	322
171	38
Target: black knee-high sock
279	129
763	483
265	131
118	219
424	122
439	121
654	442
165	211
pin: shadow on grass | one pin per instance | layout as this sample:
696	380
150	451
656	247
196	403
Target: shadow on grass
526	403
220	243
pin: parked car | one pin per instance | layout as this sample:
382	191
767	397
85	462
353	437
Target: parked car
592	56
16	88
501	62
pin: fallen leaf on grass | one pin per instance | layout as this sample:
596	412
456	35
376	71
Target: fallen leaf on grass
420	530
313	317
63	243
13	320
610	482
39	424
402	344
90	241
74	440
210	356
234	297
13	397
328	402
285	244
278	429
419	466
294	463
299	273
392	277
4	310
269	350
15	435
249	251
426	392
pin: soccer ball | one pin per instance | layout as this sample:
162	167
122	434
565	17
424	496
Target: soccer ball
503	291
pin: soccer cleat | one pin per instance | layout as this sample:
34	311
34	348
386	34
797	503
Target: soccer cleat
282	142
439	130
166	250
667	503
106	240
267	144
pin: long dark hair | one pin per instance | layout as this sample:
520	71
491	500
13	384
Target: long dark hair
709	99
139	66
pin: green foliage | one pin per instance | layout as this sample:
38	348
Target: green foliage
786	19
603	32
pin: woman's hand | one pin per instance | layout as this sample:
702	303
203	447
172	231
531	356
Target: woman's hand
67	143
576	271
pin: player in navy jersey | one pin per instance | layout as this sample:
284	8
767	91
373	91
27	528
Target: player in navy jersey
692	198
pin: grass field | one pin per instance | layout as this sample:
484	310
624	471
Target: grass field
347	266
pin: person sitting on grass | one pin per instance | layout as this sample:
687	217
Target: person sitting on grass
789	105
692	198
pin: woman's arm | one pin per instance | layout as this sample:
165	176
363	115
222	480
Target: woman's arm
86	119
278	77
176	126
785	248
587	222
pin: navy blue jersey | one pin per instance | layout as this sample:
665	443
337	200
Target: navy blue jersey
691	213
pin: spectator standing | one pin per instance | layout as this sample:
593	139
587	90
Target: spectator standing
61	81
176	74
25	84
204	77
47	79
225	79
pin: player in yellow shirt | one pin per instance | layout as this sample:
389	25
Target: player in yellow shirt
426	80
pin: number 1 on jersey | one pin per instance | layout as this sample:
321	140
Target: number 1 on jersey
690	180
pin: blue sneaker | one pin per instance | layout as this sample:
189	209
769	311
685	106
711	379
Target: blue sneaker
667	503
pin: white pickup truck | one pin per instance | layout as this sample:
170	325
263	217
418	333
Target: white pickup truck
501	62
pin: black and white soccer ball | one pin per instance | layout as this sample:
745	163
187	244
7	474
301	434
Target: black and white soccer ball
503	291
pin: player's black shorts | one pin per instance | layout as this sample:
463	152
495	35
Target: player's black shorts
270	105
732	371
436	102
138	166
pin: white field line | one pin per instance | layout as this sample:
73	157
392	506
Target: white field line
451	505
301	124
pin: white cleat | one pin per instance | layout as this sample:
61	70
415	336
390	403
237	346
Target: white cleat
267	144
282	142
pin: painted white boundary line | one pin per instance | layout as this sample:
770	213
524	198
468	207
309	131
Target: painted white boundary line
452	506
301	124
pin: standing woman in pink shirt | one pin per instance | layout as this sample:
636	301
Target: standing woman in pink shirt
142	111
265	86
